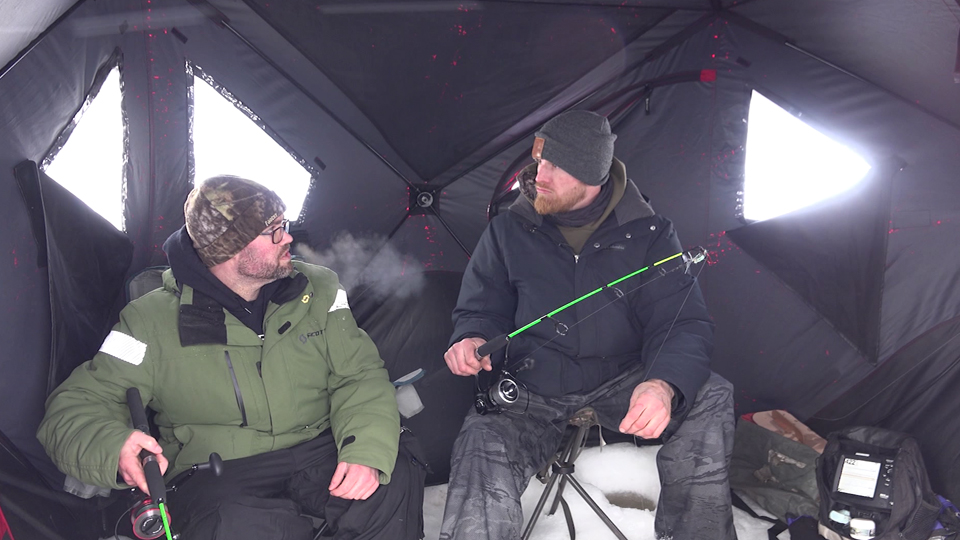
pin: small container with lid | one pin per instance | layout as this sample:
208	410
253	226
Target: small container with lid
862	529
841	516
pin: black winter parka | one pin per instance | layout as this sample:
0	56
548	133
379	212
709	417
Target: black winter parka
523	269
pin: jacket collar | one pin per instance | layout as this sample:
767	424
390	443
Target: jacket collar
203	320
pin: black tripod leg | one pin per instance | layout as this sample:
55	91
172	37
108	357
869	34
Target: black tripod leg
589	500
536	511
567	515
570	454
559	497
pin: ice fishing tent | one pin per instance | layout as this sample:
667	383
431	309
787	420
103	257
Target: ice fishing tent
413	117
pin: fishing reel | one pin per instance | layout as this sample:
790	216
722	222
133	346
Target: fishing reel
147	520
504	391
146	517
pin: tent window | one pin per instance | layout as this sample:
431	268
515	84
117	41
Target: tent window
88	159
789	165
228	138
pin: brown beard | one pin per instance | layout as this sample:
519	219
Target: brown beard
261	269
551	203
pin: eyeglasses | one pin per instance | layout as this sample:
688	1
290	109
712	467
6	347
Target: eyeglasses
276	234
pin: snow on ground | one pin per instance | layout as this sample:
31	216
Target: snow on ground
621	478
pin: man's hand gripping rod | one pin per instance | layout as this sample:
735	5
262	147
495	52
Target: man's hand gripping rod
151	468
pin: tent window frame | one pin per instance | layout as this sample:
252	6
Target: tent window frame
800	116
115	61
193	70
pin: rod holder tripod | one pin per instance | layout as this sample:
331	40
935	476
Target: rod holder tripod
563	469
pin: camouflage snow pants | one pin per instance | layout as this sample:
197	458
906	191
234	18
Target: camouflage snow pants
495	456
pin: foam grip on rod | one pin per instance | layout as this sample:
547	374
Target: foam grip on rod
137	413
151	468
493	345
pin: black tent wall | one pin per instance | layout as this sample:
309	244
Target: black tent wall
686	154
40	97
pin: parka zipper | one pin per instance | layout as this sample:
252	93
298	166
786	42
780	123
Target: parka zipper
236	389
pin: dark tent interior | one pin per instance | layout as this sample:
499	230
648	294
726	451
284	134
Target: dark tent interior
413	117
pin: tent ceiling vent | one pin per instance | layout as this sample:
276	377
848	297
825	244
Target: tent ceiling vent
424	199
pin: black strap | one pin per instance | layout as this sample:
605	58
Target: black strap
569	517
778	526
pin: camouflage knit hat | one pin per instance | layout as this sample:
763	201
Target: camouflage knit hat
225	213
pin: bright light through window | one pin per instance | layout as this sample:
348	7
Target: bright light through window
226	141
790	165
90	164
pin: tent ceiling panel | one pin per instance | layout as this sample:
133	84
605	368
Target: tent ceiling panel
909	308
430	80
658	147
24	20
60	76
777	351
615	72
291	64
908	48
355	191
850	111
425	239
667	159
375	265
459	200
366	205
859	115
832	255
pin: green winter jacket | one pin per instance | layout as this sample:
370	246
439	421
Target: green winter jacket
218	387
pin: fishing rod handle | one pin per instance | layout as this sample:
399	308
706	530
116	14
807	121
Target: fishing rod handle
151	467
492	346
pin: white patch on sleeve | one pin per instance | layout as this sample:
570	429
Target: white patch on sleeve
124	347
340	302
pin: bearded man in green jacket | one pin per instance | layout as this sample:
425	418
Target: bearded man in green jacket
248	354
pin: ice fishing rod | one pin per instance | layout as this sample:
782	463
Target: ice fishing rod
688	258
146	525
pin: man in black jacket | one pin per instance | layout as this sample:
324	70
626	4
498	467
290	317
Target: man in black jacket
641	362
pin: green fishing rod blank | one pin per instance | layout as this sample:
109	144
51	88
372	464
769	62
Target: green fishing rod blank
500	341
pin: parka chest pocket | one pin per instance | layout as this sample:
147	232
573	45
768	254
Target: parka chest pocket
297	359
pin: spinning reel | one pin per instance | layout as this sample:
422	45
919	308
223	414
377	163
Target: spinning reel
146	516
504	391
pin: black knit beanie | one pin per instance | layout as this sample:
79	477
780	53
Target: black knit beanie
580	143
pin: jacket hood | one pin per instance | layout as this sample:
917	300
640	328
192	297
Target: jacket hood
634	205
188	269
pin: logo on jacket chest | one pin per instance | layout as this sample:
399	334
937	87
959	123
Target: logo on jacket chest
304	337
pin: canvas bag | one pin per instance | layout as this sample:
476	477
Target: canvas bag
776	472
912	507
